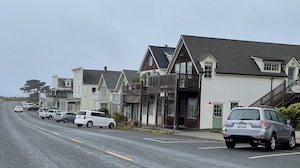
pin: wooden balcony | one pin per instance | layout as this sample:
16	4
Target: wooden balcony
172	82
133	88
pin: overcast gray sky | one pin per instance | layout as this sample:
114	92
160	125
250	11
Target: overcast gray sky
43	38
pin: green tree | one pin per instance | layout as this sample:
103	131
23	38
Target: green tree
33	87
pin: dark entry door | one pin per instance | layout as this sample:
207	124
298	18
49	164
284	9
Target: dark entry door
182	111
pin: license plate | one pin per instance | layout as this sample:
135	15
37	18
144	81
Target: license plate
242	125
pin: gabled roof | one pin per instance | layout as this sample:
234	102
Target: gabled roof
234	56
91	76
129	75
110	78
159	56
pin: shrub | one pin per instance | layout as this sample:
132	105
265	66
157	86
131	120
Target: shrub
119	117
292	112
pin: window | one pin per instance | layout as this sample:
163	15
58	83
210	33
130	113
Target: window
96	114
271	66
233	104
274	116
103	89
189	69
159	107
177	68
171	104
192	108
218	110
267	114
150	60
280	118
244	114
144	104
208	70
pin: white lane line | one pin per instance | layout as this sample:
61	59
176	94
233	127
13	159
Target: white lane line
164	140
274	155
75	140
54	133
220	147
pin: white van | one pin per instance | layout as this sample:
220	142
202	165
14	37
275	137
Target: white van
93	118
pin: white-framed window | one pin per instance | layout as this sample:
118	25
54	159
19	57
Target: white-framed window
177	68
192	108
208	69
189	69
272	66
103	89
171	104
150	59
233	104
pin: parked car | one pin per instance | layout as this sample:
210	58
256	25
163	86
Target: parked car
258	126
51	113
94	118
18	109
28	105
33	108
65	117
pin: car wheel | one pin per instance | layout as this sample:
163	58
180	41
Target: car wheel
89	124
65	120
50	117
271	144
230	144
79	125
292	142
111	125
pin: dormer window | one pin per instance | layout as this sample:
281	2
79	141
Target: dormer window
272	66
208	69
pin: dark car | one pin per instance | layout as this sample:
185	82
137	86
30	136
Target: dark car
33	108
65	117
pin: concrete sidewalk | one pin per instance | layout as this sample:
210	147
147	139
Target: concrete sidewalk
207	134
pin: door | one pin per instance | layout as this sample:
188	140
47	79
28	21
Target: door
182	111
217	116
291	75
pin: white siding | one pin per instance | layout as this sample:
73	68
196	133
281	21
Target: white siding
223	89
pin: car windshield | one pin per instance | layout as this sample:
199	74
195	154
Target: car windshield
244	114
81	113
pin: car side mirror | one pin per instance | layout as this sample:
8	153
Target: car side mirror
288	121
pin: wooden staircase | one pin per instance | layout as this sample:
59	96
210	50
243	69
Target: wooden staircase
279	97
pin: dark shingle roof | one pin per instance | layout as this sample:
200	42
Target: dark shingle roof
131	74
91	76
111	78
160	56
234	56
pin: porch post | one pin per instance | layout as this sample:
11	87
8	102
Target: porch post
141	101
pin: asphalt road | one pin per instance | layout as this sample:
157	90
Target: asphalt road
26	141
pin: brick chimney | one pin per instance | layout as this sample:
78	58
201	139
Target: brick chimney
105	69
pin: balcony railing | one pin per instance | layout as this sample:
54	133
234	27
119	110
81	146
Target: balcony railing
173	81
133	88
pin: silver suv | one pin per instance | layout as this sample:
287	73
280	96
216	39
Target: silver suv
257	126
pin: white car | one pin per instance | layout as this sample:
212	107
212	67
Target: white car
27	105
18	109
51	113
93	118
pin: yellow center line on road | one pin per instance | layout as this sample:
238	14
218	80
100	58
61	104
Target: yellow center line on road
75	140
120	156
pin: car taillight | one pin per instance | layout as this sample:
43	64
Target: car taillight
84	117
263	124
